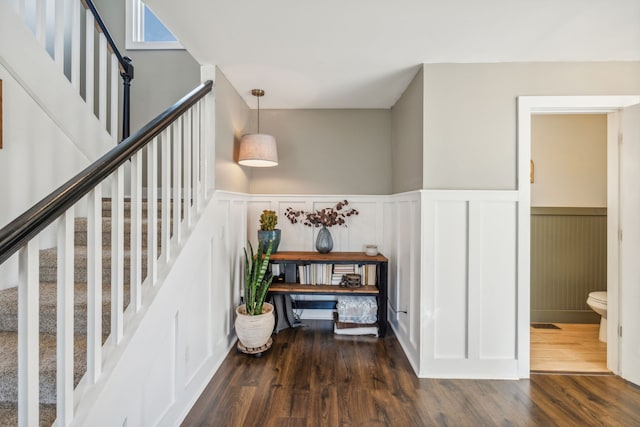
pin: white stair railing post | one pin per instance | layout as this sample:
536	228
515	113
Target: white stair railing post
152	211
197	182
113	126
89	55
177	179
94	284
136	232
28	336
75	44
117	254
166	195
64	327
41	22
187	162
58	43
102	79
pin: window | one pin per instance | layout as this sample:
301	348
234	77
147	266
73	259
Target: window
145	31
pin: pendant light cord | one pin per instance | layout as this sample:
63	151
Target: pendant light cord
258	114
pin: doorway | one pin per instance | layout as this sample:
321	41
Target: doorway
527	106
568	241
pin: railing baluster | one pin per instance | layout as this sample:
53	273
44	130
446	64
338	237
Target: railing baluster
113	127
89	57
196	156
166	195
28	335
117	254
21	8
208	132
187	161
41	22
64	332
58	38
177	179
152	211
94	284
136	232
75	45
102	80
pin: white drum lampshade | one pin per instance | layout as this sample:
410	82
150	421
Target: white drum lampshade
258	150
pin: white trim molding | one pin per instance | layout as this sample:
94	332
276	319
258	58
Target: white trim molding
134	30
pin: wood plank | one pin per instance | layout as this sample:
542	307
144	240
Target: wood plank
297	288
331	257
572	348
312	377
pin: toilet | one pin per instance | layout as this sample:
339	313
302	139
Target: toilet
598	303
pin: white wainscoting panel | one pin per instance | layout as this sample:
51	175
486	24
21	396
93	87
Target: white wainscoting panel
365	228
469	323
402	232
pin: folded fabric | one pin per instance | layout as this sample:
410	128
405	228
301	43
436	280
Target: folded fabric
357	309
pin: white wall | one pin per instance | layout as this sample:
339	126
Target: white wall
326	152
570	156
470	114
407	122
36	158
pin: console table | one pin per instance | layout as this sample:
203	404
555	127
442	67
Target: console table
290	260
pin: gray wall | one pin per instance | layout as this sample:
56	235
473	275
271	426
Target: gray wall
161	76
470	114
232	117
407	137
570	156
326	152
568	260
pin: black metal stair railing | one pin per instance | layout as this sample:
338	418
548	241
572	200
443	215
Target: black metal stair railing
18	232
125	66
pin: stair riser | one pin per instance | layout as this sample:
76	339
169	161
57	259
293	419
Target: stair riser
106	210
80	238
50	274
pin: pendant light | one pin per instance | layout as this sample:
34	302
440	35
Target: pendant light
258	149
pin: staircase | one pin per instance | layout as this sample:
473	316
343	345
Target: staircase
48	304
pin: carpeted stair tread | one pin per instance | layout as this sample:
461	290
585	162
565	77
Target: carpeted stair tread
9	363
48	308
9	414
48	314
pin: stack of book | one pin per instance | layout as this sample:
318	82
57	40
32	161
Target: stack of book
331	274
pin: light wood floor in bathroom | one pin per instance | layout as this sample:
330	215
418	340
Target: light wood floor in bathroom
572	348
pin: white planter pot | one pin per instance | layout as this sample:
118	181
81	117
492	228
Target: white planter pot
254	331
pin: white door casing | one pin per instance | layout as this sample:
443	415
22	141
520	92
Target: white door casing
630	244
528	105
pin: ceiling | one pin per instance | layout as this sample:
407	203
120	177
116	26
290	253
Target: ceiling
363	53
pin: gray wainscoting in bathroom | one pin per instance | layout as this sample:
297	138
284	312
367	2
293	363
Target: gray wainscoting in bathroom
568	260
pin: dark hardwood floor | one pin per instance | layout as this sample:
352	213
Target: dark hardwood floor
310	377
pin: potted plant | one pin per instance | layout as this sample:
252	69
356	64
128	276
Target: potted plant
326	217
255	318
268	231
